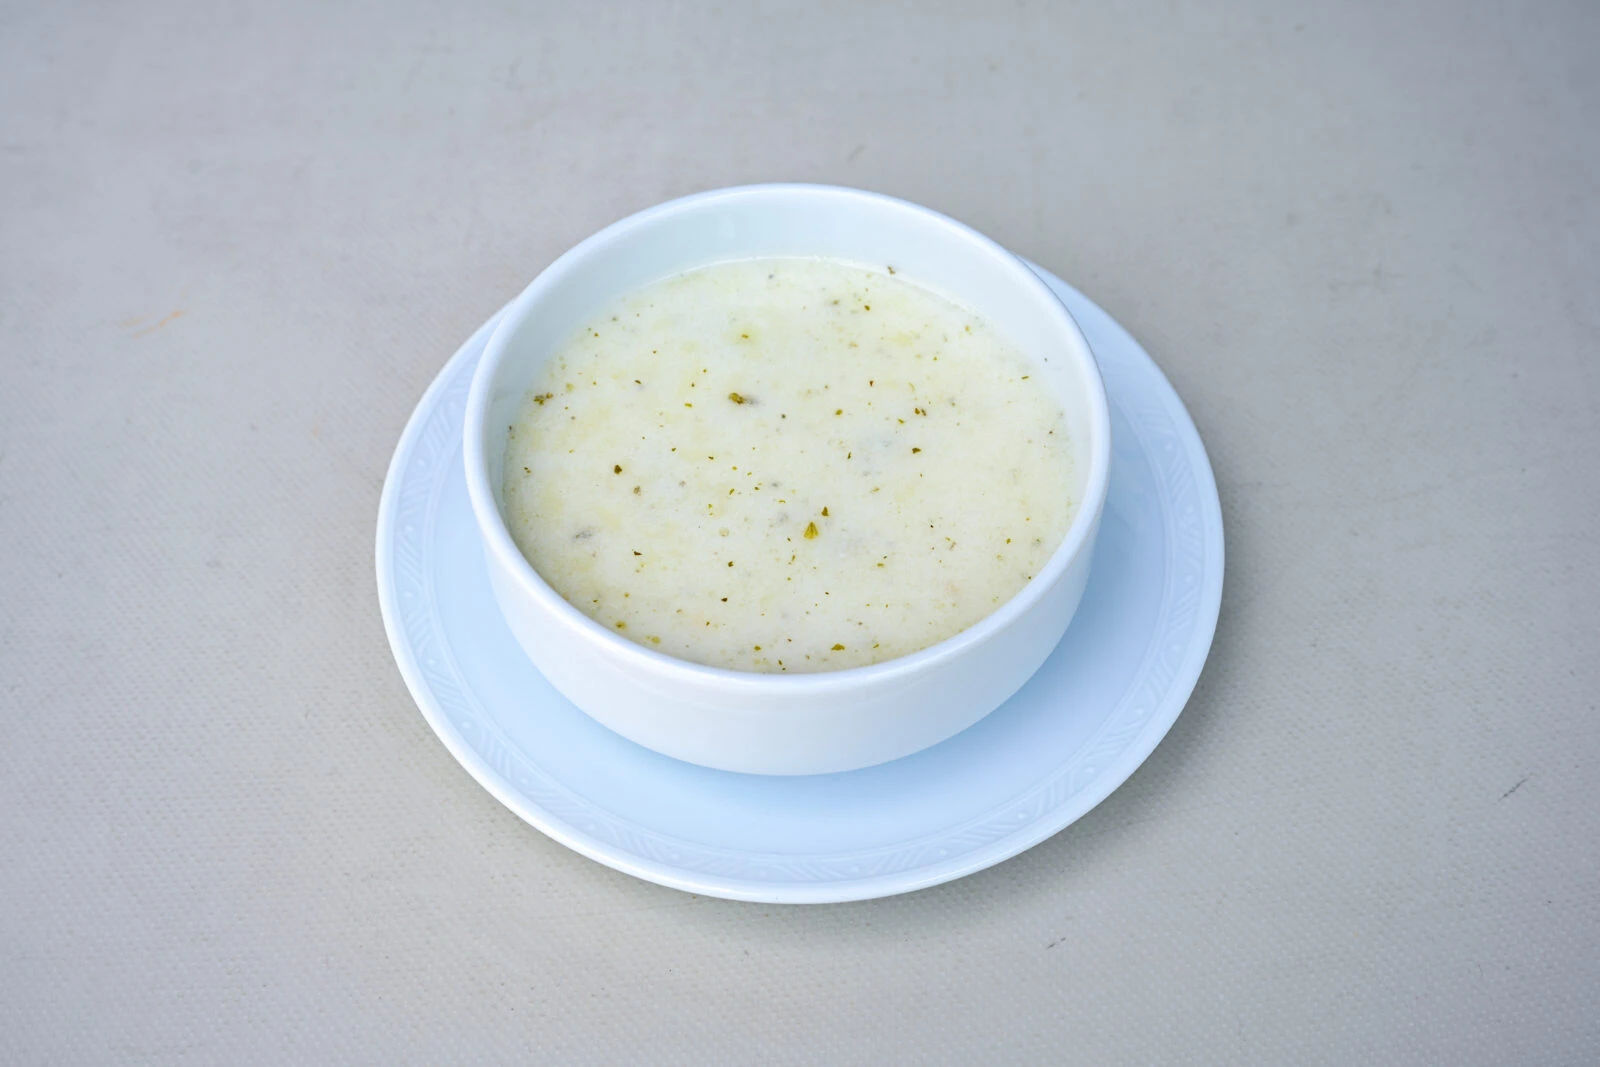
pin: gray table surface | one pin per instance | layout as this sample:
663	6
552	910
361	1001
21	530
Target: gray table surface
237	242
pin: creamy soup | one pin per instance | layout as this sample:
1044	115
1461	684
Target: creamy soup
787	465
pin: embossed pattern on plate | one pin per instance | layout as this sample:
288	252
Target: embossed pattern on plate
1093	713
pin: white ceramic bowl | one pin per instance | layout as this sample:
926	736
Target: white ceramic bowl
768	723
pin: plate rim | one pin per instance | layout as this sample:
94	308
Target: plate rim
1112	776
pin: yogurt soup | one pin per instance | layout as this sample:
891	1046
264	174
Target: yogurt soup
787	465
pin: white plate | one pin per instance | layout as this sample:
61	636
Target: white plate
1075	732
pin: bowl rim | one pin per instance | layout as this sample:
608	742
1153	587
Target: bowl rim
497	536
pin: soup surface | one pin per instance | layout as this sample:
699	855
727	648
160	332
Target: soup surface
787	465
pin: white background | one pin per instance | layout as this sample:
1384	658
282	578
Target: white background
236	243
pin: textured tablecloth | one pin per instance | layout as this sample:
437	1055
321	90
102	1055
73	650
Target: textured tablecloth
237	242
